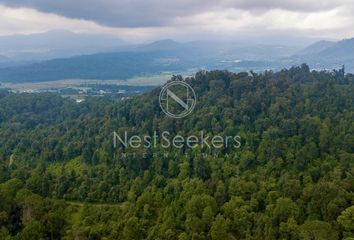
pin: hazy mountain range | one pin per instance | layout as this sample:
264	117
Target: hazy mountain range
326	54
65	55
55	44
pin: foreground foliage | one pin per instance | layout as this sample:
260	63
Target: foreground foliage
61	177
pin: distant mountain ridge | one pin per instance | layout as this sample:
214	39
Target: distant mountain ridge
316	47
343	49
175	57
166	44
149	59
328	55
55	44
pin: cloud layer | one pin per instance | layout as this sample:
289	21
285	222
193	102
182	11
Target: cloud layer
152	13
187	19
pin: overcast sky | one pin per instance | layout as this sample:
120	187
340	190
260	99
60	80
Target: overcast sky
146	20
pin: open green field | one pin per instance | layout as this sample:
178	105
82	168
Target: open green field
154	80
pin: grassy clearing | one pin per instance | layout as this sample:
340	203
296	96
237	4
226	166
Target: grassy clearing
153	80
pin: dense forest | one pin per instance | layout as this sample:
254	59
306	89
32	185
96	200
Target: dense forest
292	178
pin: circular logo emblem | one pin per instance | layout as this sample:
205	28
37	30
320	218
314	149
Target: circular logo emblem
177	99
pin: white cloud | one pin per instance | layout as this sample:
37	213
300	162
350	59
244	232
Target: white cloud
154	13
26	21
222	20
